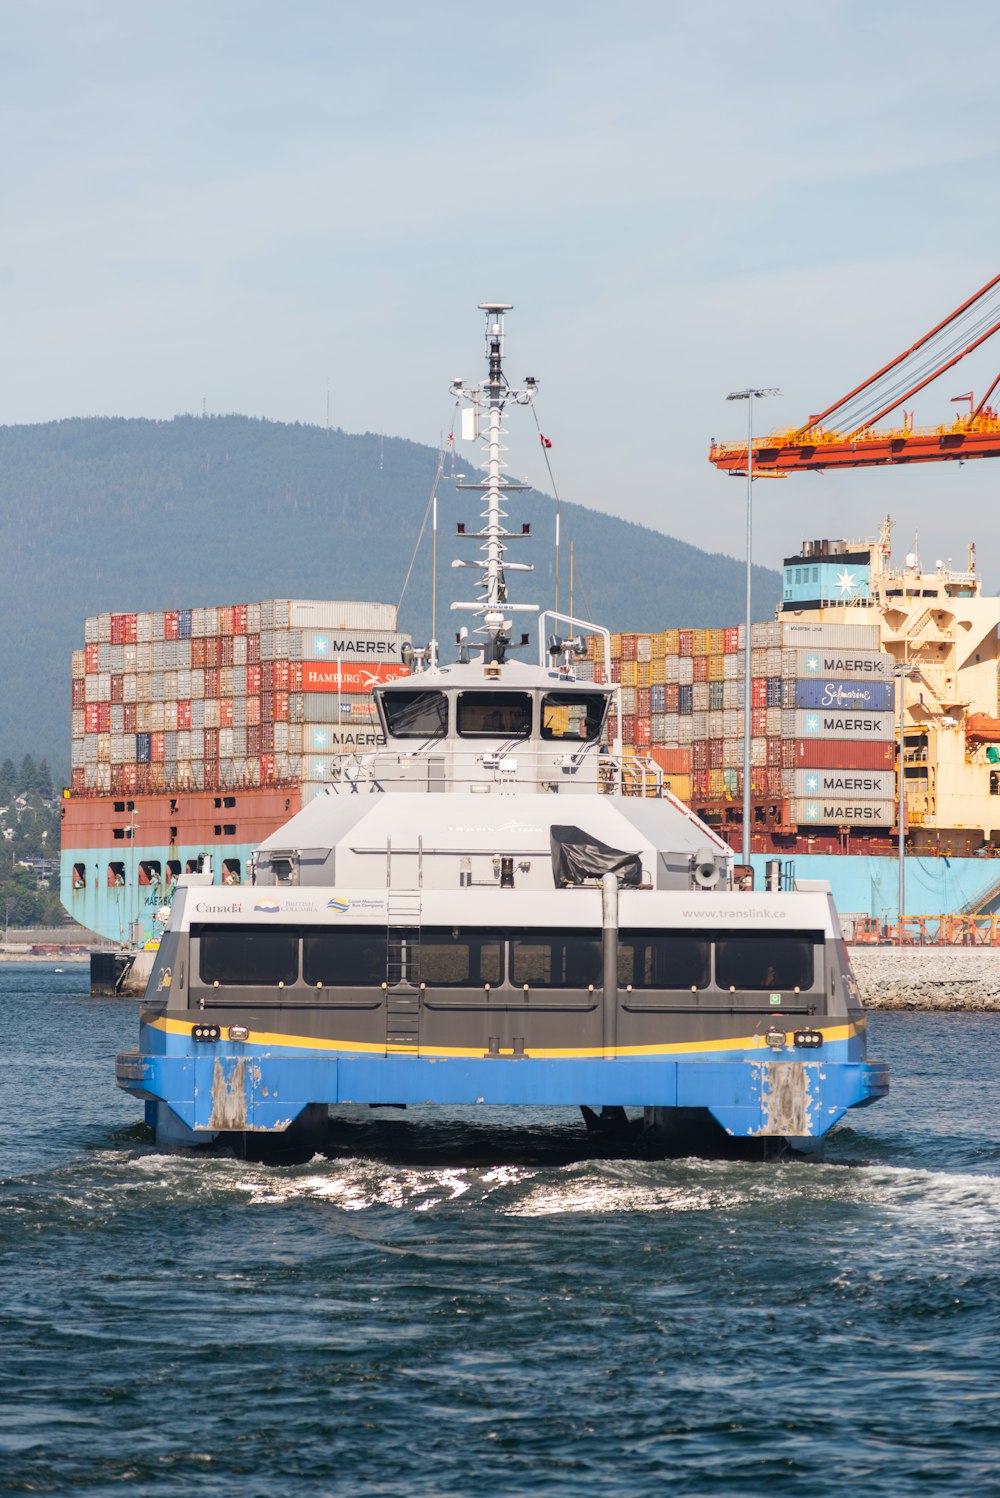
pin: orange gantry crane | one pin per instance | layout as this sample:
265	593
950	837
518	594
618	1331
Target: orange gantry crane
845	435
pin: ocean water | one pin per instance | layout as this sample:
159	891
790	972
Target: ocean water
476	1306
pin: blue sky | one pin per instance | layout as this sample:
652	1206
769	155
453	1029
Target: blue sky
252	204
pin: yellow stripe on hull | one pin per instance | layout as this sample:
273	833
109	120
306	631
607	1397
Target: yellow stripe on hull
358	1048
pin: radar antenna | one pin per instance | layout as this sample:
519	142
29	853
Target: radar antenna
492	396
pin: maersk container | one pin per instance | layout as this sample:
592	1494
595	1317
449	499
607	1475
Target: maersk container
838	754
843	785
820	812
862	694
835	663
834	723
814	636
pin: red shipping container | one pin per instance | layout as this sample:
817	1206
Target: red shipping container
211	774
671	694
266	768
130	777
129	715
226	620
156	747
642	702
295	676
253	710
630	647
267	675
685	642
758	722
699	783
90	717
184	714
213	651
731	641
197	654
225	712
170	716
774	751
758	692
267	707
226	655
628	729
79	693
699	668
116	785
157	777
774	780
839	754
117	689
699	755
715	753
674	761
211	743
239	618
267	738
254	682
91	655
253	648
281	707
643	731
758	780
78	779
171	620
280	677
212	674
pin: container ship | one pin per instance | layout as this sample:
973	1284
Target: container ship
198	731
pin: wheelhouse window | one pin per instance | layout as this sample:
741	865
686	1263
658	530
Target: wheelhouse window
457	958
494	715
766	962
346	957
416	715
663	959
248	956
576	718
555	959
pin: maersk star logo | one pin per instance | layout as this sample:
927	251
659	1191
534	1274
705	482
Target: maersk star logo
320	738
812	664
319	769
812	724
812	812
320	644
812	784
846	581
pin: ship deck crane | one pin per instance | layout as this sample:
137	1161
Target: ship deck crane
846	434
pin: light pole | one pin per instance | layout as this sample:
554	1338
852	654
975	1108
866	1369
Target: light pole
903	671
748	395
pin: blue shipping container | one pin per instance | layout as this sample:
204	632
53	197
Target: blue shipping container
183	624
142	748
774	692
685	700
658	697
871	696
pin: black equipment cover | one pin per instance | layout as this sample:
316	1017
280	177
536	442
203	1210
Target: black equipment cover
578	857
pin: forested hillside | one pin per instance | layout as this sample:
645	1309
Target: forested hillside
107	514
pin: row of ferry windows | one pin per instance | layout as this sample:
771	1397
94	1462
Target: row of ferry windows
461	958
491	715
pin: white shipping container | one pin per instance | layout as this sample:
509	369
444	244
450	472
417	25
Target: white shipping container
347	645
196	738
184	744
699	726
644	648
699	697
772	661
104	747
117	718
685	734
78	725
685	670
208	711
658	728
144	657
79	665
323	614
831	636
105	656
732	754
239	650
628	702
672	669
77	757
819	812
829	723
144	717
102	778
116	659
90	630
758	751
844	662
197	682
716	721
90	748
129	687
253	619
843	785
775	722
198	714
281	738
156	716
183	688
104	628
267	644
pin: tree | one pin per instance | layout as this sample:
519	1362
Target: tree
44	786
8	775
28	777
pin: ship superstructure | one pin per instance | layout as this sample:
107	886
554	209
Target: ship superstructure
494	907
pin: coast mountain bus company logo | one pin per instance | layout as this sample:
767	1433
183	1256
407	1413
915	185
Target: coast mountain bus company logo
340	906
268	907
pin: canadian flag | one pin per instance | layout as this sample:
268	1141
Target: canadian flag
544	440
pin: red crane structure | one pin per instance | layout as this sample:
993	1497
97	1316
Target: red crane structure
845	434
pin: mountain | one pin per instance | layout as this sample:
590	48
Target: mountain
105	514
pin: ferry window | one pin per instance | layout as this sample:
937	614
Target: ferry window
456	958
553	959
567	717
416	715
244	956
494	715
658	959
348	957
765	962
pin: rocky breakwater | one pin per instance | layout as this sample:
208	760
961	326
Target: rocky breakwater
928	977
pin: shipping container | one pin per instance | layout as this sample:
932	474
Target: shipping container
819	812
840	663
828	636
831	723
843	785
862	694
838	754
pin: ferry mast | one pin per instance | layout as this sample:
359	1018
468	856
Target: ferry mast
492	396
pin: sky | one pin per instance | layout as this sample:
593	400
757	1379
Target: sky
241	205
